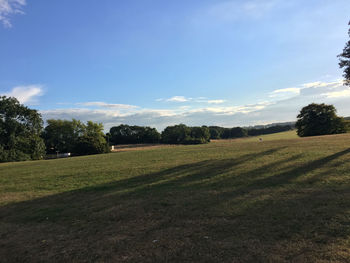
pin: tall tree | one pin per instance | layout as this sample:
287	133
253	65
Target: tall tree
345	61
92	141
20	129
319	119
75	137
62	135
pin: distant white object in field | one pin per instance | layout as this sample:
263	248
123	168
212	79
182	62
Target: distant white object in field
112	147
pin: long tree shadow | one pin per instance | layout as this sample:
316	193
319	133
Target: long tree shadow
203	212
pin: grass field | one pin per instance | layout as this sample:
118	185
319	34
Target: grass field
285	199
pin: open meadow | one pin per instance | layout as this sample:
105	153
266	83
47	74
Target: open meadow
285	199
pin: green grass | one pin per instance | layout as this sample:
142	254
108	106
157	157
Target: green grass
275	136
285	199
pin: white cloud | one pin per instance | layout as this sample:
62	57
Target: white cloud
322	88
216	101
178	99
292	90
199	111
284	93
320	84
107	105
159	118
9	8
196	100
26	94
338	94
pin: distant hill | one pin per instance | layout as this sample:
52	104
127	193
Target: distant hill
290	123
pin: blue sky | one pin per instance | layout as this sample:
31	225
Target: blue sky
158	63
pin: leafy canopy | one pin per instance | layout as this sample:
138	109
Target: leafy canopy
75	137
319	119
20	129
345	61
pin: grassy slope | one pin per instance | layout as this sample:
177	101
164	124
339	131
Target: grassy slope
279	200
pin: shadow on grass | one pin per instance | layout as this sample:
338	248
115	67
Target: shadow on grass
203	212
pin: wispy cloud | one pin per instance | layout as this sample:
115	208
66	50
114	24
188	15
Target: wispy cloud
26	94
205	112
182	99
344	93
284	93
178	99
107	105
322	88
215	101
322	84
9	8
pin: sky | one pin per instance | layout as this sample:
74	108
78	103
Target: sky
158	63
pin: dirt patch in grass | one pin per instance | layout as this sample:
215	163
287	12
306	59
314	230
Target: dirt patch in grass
139	147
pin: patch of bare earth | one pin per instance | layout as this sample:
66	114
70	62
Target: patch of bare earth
139	147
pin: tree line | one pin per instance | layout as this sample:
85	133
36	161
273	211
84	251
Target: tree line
23	137
177	134
182	134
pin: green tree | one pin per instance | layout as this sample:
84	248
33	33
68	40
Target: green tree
216	132
92	141
125	134
75	137
345	61
182	134
176	134
20	129
200	134
62	135
319	119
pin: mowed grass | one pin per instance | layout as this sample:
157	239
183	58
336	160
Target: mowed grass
285	199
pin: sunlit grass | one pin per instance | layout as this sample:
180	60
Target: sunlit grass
280	199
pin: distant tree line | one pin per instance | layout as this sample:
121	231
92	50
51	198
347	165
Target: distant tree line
182	134
178	134
217	132
23	137
125	134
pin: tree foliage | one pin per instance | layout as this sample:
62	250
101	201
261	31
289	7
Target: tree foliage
92	140
62	135
215	132
125	134
20	129
182	134
344	63
75	137
236	132
319	119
